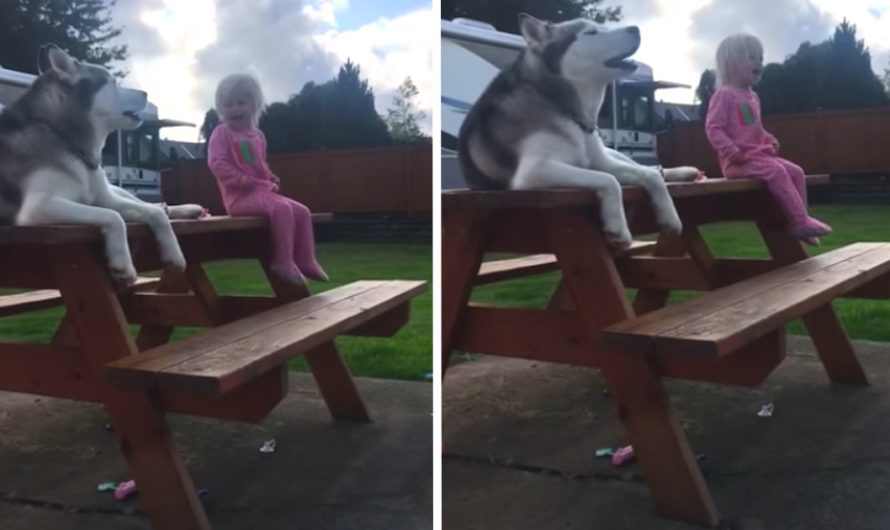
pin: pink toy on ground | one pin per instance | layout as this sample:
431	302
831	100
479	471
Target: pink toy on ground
623	455
125	490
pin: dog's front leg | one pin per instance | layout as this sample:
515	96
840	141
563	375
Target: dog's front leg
535	173
650	180
43	208
140	212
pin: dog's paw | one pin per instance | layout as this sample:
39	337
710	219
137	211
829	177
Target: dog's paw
617	235
671	226
123	274
172	258
185	211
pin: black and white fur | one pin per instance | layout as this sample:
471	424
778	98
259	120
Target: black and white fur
535	125
51	143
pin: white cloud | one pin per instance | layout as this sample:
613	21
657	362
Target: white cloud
680	38
325	11
180	50
389	50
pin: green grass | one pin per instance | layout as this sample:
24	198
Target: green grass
863	319
408	355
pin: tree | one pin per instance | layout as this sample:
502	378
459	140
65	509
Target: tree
81	27
707	84
351	117
403	116
886	79
338	114
211	120
503	14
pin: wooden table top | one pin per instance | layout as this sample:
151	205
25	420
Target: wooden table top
465	199
62	234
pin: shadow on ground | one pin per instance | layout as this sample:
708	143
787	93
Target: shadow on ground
324	475
520	439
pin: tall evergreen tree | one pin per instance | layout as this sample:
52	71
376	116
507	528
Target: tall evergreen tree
81	27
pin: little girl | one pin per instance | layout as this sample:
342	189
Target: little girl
236	155
745	149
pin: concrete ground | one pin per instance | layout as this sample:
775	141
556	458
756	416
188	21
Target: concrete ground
324	475
520	439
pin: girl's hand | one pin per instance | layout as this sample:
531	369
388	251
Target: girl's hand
776	145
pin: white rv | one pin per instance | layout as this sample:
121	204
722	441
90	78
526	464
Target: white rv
131	158
474	52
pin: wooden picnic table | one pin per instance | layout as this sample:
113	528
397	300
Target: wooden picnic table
731	335
235	371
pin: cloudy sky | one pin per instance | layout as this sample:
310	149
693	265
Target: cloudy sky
179	50
681	36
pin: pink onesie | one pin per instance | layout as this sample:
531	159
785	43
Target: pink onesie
238	161
745	149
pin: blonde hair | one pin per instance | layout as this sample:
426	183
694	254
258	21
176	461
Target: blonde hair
240	85
731	51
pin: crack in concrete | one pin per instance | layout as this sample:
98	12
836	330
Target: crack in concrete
13	498
509	463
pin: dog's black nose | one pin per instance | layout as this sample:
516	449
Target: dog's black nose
633	30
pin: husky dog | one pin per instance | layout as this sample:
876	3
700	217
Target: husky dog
51	143
535	125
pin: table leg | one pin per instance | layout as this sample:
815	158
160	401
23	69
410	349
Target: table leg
66	333
648	300
154	336
561	297
826	331
464	236
165	488
668	465
336	384
331	374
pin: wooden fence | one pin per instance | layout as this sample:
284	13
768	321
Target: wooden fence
394	179
834	142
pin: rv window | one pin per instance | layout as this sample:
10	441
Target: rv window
635	110
606	111
147	150
109	152
642	116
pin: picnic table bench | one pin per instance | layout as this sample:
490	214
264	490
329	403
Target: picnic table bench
235	370
731	334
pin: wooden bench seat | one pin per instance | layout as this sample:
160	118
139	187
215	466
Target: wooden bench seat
17	303
723	321
509	268
221	359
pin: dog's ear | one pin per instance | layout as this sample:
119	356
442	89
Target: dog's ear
534	30
52	58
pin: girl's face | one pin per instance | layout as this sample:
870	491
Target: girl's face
748	71
238	112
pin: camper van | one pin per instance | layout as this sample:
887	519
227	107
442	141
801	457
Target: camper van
131	159
474	52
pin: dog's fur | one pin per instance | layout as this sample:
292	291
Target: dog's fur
51	143
535	125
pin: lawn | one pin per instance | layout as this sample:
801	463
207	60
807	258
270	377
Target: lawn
864	319
408	355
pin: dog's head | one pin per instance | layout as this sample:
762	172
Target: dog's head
88	92
580	49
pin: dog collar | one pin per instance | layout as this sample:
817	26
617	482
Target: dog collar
77	151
